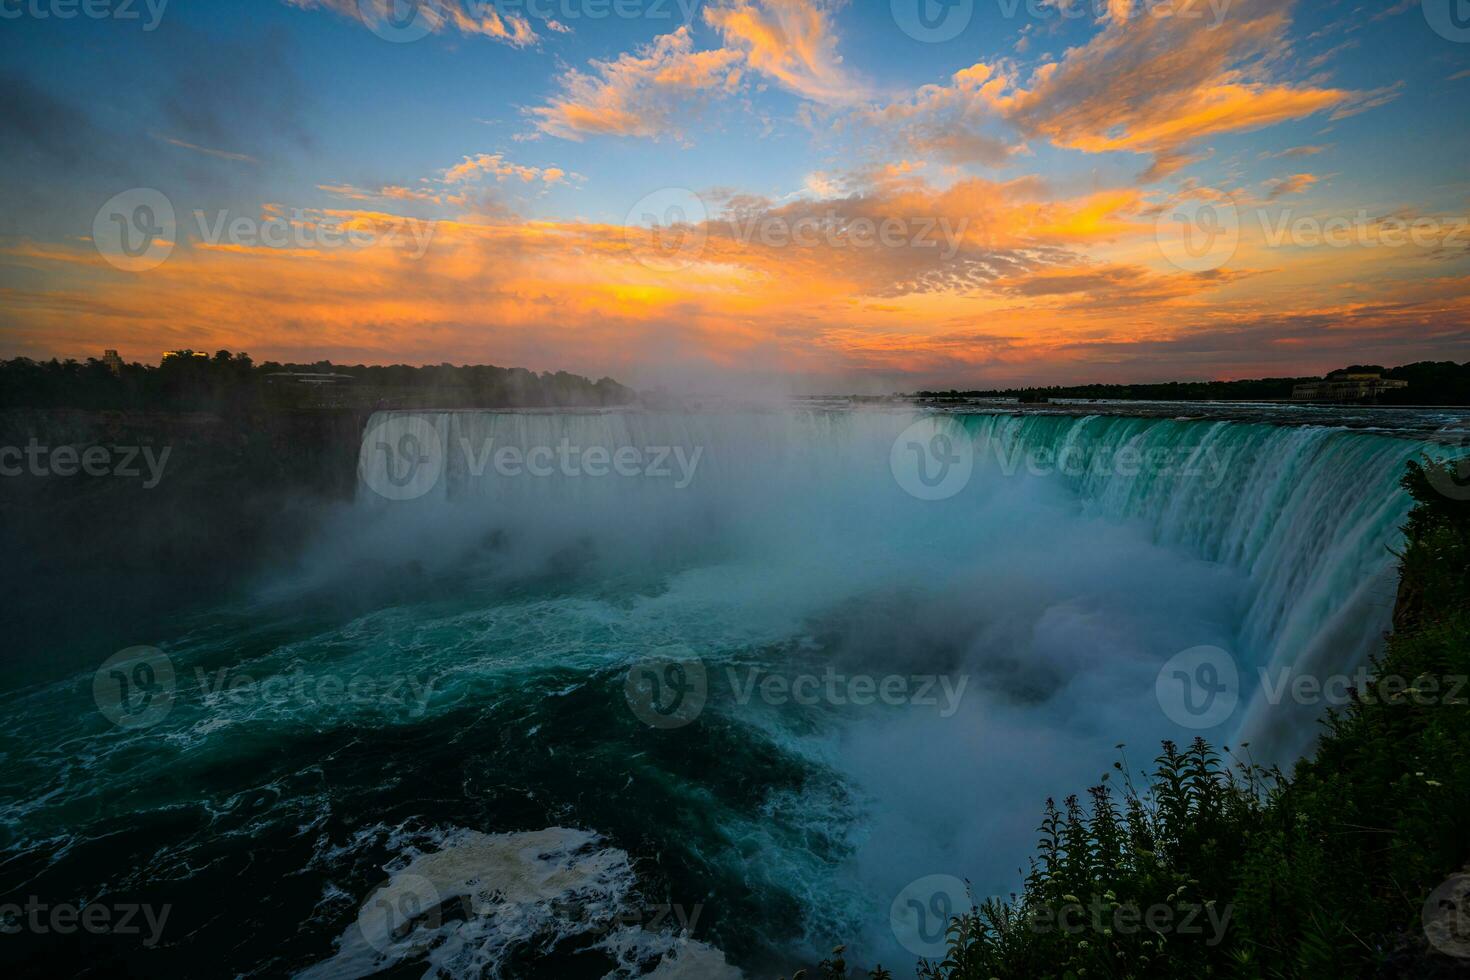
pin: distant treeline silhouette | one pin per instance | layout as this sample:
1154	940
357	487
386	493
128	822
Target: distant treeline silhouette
227	382
1430	383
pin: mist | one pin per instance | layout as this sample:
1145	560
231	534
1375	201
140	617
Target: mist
1049	595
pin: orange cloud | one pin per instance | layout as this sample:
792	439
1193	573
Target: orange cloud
513	29
449	190
792	42
1145	83
439	16
949	121
638	94
647	93
495	164
787	287
577	296
1295	184
886	276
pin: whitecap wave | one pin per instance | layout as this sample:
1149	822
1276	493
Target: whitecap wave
480	902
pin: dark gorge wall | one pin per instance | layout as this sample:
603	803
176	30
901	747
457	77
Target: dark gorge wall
110	519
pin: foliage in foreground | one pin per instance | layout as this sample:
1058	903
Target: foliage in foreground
1248	872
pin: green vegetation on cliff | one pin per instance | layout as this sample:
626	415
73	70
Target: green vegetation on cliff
1247	872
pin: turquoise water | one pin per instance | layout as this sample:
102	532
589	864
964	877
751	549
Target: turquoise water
442	709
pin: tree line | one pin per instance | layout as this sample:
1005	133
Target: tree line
227	382
1430	383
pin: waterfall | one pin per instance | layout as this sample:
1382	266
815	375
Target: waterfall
1308	514
437	692
1311	514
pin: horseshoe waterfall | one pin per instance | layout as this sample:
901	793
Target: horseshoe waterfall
670	694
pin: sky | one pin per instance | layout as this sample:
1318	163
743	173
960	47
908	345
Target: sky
811	195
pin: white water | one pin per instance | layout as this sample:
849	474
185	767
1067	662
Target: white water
1308	513
464	907
1057	592
510	773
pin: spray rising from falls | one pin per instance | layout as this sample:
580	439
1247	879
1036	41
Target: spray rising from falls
1308	515
907	631
1053	563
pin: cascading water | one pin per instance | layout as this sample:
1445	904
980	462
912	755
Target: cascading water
1020	579
1309	513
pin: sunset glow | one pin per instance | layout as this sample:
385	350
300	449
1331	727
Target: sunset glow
794	192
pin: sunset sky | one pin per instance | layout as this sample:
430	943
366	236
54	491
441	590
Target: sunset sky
824	196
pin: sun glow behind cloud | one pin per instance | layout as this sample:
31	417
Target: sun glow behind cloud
951	234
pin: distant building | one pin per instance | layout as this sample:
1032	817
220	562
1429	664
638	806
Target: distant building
113	362
1344	387
310	378
169	355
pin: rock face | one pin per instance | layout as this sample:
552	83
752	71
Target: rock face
171	508
1408	607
